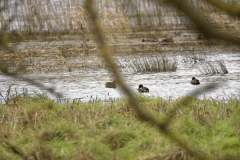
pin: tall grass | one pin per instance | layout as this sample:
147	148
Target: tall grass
42	129
38	20
213	67
151	64
35	127
57	18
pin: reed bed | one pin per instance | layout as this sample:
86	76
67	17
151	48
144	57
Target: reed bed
213	67
59	18
151	64
55	19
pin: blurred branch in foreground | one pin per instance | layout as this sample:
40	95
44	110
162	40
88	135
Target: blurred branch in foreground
201	23
163	127
232	9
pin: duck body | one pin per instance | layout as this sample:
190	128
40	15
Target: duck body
142	89
167	40
150	40
195	81
200	37
110	84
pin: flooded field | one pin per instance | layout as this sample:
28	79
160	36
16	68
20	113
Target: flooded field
88	84
59	50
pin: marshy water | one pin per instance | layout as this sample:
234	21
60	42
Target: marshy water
89	84
70	62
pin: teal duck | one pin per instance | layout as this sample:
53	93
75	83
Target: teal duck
167	40
110	84
142	89
200	37
150	40
195	81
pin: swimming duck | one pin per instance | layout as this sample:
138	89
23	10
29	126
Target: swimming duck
150	40
195	81
110	84
167	40
142	89
200	37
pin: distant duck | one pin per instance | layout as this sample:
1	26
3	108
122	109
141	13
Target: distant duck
150	40
142	89
177	33
167	40
195	59
200	37
110	84
195	81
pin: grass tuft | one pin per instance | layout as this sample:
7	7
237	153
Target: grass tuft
213	68
151	64
39	128
118	140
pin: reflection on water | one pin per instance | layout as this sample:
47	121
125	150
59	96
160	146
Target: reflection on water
89	84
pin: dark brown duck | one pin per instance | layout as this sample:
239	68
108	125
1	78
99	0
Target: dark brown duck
142	89
195	81
167	40
110	84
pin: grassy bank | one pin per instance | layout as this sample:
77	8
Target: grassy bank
38	128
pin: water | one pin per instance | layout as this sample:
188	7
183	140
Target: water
89	84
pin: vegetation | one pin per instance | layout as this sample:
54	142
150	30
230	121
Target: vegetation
213	67
146	64
35	127
69	26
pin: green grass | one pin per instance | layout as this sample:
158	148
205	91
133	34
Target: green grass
38	128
